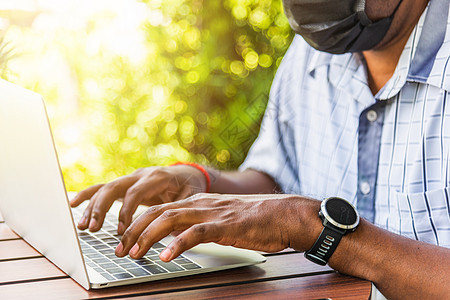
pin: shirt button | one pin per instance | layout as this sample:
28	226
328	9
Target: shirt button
365	187
372	115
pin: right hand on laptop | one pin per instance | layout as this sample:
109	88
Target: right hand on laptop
147	186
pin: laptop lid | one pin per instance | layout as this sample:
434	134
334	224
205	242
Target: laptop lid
34	202
33	199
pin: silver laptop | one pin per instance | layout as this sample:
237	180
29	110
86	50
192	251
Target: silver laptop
34	203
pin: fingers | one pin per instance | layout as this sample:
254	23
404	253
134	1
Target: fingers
89	193
84	221
102	201
203	218
157	224
147	186
85	195
160	186
196	234
143	189
169	221
131	234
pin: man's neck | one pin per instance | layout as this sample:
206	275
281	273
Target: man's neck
381	64
382	61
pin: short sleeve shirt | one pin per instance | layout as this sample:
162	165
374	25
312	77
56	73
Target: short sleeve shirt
325	134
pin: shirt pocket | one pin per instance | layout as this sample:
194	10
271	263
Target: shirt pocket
423	216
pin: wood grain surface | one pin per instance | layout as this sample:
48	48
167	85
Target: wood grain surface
25	274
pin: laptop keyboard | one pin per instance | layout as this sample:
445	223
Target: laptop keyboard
98	251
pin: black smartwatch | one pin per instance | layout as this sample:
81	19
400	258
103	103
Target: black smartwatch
338	218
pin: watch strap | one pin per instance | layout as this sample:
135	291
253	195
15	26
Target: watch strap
324	247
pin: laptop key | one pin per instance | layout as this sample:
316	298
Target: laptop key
94	255
171	266
106	251
123	276
101	260
114	271
100	246
111	256
152	257
158	245
120	259
89	251
151	252
138	272
95	242
191	266
128	265
143	262
113	243
101	236
109	239
107	276
182	260
108	265
154	269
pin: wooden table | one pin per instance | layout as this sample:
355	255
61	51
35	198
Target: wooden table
26	274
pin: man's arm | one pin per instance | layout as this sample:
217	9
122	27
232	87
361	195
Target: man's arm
246	182
400	267
156	185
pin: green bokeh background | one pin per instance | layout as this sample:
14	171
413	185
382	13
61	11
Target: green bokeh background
199	95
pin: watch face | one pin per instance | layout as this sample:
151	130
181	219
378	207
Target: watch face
341	211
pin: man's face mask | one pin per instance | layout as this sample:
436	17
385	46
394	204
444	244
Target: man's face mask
336	26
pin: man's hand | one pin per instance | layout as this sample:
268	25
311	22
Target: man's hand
147	186
259	222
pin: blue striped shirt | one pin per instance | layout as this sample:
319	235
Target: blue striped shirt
325	134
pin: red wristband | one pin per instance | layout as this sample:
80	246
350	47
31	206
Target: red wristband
198	167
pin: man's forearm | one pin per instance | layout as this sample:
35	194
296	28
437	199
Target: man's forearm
245	182
401	268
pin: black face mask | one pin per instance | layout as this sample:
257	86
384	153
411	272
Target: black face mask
336	26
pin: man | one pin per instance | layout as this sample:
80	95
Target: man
371	126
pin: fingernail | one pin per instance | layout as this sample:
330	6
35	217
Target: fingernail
93	224
120	228
119	248
165	255
134	250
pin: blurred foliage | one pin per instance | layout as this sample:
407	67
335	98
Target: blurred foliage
198	95
6	54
